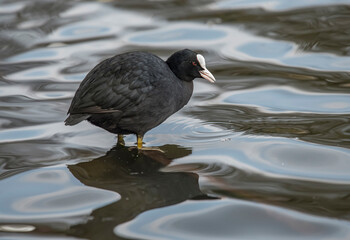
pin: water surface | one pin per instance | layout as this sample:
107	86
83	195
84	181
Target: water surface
261	154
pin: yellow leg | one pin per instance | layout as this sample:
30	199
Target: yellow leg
139	141
121	140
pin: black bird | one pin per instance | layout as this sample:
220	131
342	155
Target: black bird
134	92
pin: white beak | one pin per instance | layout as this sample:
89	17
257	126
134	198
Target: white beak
207	75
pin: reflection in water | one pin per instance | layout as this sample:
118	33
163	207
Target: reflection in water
136	177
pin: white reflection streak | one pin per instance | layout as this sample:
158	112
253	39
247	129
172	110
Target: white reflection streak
16	228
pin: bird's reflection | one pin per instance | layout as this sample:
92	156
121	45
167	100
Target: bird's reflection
136	176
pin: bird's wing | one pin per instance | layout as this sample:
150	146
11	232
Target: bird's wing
113	86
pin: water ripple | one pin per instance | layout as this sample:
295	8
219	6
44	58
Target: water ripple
325	128
278	157
286	100
59	195
285	54
110	23
180	35
274	5
229	219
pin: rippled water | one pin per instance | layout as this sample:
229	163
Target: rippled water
262	154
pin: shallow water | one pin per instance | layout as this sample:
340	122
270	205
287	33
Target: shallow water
261	154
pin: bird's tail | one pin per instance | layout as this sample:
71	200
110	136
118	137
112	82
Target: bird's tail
73	119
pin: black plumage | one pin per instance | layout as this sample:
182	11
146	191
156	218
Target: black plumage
134	92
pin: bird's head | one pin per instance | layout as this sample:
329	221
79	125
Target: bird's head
188	65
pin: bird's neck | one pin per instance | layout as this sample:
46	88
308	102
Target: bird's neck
175	67
187	92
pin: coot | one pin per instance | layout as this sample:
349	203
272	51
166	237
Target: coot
134	92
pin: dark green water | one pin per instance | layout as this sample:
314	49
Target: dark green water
262	154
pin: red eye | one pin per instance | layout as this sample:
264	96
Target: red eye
194	63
